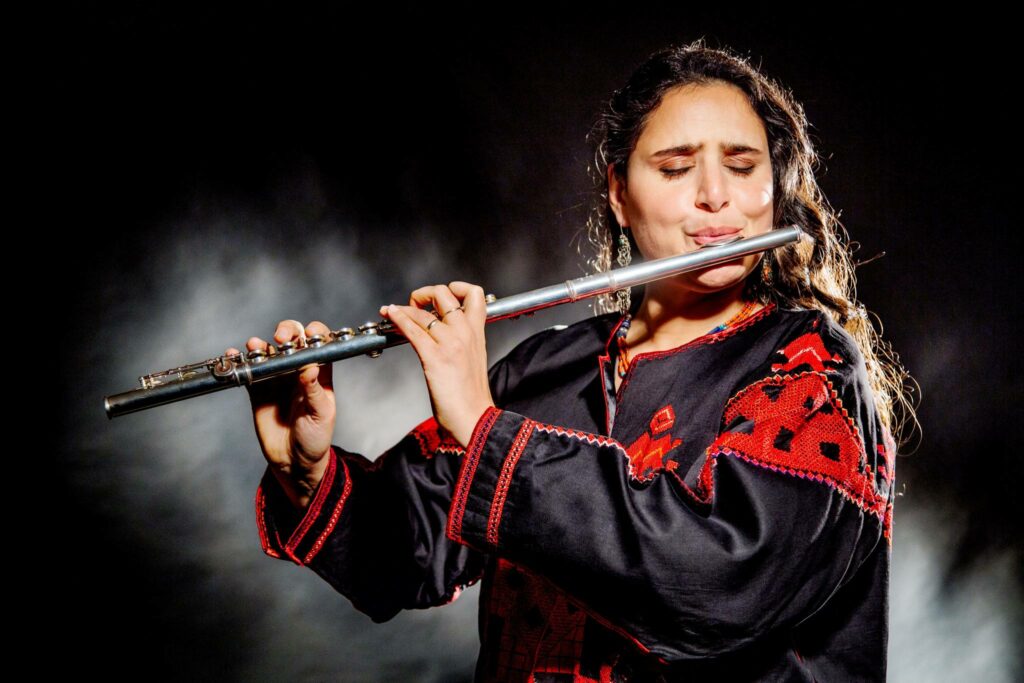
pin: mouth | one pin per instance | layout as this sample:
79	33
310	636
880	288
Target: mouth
717	235
718	241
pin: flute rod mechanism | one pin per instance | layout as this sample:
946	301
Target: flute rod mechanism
372	338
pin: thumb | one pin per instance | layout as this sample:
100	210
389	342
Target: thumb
319	401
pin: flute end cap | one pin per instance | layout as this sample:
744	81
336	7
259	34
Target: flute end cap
802	235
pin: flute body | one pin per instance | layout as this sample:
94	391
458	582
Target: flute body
225	372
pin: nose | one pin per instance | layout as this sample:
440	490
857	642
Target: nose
712	189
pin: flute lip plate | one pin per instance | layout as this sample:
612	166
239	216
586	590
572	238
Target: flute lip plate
721	243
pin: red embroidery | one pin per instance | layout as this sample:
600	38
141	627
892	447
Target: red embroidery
468	470
647	454
887	449
652	450
807	349
508	467
699	341
798	425
335	514
261	524
593	439
663	419
313	511
540	628
433	438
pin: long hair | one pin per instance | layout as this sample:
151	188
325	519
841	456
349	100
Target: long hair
818	275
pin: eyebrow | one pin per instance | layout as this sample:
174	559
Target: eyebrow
727	147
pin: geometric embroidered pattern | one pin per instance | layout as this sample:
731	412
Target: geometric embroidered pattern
647	455
508	467
536	629
807	349
798	425
433	438
467	472
542	634
312	532
633	469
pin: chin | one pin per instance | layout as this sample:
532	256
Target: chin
719	278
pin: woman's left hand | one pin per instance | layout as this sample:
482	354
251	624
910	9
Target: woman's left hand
453	351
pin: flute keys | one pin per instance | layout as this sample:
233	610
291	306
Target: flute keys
257	355
371	329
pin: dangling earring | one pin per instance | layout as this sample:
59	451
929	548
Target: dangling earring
624	258
766	271
625	255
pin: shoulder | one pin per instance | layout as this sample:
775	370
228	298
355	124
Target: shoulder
822	368
816	366
560	341
816	343
554	349
810	410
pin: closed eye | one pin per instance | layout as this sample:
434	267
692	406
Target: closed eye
674	172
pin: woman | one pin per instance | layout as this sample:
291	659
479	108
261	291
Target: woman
700	483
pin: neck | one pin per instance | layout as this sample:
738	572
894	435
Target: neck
668	317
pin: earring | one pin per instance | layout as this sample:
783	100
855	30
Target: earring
625	255
766	271
624	258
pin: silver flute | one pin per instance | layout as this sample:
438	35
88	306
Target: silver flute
371	338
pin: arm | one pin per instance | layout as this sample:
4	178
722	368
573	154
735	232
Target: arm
375	530
784	513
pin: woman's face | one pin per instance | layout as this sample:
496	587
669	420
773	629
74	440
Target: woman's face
700	173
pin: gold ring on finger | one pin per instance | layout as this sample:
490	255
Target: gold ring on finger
457	308
432	323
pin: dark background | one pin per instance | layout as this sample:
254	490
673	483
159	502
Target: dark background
225	166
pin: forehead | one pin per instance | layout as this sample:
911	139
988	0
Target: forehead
711	115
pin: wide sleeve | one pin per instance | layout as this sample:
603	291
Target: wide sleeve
375	530
786	507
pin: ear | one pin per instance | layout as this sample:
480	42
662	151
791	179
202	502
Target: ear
617	198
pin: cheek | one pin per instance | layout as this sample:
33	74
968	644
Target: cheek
657	202
759	198
757	204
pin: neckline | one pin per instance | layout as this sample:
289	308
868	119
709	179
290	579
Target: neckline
708	338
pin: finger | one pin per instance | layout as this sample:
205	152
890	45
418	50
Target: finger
318	394
317	327
423	296
422	318
288	330
438	296
293	330
325	372
420	339
256	344
474	301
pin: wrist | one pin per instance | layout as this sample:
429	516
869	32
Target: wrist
464	432
301	481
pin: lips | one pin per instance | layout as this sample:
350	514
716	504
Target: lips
714	234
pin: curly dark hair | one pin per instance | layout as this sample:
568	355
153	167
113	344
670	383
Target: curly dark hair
803	275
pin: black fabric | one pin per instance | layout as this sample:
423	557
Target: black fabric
731	518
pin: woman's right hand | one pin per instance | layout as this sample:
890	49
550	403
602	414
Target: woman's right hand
294	416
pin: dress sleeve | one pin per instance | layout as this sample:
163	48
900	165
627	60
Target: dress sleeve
793	495
375	530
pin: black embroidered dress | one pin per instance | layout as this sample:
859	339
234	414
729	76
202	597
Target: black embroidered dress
727	513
